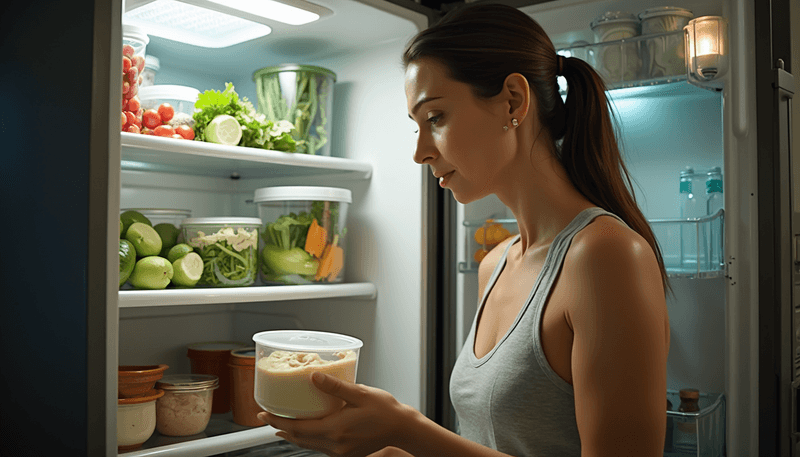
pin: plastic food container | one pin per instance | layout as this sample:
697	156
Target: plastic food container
285	360
134	45
182	98
619	61
303	234
228	247
242	367
138	380
136	419
664	55
162	215
302	95
185	408
212	358
151	67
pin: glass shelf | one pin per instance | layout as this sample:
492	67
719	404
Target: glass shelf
702	258
644	60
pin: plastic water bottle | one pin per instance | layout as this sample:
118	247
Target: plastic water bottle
690	207
715	202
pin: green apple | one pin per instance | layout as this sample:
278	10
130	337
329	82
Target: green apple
144	238
178	251
169	236
151	272
127	260
187	270
129	217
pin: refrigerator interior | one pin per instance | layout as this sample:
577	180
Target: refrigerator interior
362	44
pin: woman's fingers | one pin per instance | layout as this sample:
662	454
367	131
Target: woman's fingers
331	385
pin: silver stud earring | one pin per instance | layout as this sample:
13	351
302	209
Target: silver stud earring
514	122
505	127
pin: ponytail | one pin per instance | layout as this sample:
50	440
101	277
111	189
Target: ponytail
481	45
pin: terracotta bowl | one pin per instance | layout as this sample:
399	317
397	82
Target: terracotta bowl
138	380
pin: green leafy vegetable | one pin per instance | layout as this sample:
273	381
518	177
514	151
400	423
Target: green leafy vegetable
288	231
257	131
223	266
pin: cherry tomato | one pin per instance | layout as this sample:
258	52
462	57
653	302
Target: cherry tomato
126	87
151	119
185	131
133	129
166	111
131	117
164	130
138	62
146	131
123	120
133	75
134	104
127	51
126	64
178	137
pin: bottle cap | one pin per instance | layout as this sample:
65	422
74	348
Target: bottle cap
714	185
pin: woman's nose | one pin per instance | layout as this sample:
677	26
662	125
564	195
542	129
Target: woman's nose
425	149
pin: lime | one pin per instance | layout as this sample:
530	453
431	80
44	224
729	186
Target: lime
127	259
121	227
224	129
187	270
152	272
129	217
144	238
169	236
178	251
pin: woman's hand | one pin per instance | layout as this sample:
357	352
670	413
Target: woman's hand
369	421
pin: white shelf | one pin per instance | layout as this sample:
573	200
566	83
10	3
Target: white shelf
225	295
169	155
221	435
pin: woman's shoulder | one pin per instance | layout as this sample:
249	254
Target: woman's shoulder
489	263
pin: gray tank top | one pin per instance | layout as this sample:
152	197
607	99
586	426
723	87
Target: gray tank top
511	400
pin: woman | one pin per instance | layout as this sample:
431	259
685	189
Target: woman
567	353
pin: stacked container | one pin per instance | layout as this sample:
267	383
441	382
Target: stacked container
664	53
618	62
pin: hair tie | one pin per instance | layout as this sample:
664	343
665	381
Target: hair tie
560	70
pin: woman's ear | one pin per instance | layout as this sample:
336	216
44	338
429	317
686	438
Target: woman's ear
517	96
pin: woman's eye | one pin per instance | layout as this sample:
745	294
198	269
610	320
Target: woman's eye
433	120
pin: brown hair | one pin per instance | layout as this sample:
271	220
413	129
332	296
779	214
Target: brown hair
481	45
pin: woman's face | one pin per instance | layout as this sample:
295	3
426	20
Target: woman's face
458	134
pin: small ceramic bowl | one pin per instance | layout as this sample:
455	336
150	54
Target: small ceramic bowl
136	419
138	380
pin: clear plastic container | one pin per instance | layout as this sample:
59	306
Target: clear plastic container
228	247
162	215
185	408
664	54
134	47
287	255
621	62
285	360
182	99
302	95
151	67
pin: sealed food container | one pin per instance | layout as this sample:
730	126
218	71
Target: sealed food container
303	234
228	247
617	61
185	408
285	360
162	215
664	54
134	45
138	380
181	98
243	375
302	95
151	67
212	358
136	419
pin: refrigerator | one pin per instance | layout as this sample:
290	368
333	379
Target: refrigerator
410	290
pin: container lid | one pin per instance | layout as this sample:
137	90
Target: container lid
151	395
293	67
222	221
135	33
303	193
168	91
244	356
221	349
611	17
160	211
188	382
306	340
691	394
665	11
152	62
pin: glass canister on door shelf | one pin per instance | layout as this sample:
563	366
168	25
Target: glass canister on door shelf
685	432
715	202
691	206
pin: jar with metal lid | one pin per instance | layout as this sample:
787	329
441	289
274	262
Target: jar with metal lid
185	408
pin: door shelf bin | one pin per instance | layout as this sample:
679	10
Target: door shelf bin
643	60
702	254
474	230
706	428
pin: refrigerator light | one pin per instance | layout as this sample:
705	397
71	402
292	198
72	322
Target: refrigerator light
706	50
217	23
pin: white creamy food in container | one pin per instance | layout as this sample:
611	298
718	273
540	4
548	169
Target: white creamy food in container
285	360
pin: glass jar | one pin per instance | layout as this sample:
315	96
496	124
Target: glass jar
185	408
686	430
